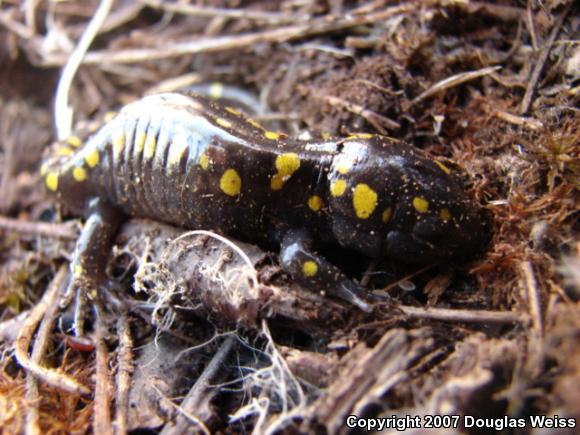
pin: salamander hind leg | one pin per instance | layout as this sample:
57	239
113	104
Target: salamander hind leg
90	255
314	272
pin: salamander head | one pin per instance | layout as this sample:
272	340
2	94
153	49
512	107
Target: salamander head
443	223
393	201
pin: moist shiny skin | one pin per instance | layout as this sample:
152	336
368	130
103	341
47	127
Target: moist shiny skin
186	160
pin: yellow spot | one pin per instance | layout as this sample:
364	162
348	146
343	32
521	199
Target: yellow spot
233	111
195	105
387	215
287	164
78	271
421	204
443	167
364	200
74	141
445	214
92	158
309	268
64	151
140	142
109	116
272	135
255	123
231	183
325	135
277	182
204	161
361	136
79	174
52	181
216	90
150	145
315	203
338	187
176	149
118	142
223	122
44	169
343	165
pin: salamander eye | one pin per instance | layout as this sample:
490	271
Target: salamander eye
431	228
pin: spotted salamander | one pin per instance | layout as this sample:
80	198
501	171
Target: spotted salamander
185	160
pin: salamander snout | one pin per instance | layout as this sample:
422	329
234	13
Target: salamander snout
434	239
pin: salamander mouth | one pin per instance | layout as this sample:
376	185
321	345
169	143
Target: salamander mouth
413	249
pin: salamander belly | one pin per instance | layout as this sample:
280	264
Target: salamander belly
149	157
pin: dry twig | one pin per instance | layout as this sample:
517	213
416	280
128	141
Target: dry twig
196	403
51	377
67	231
522	121
453	81
234	42
536	339
376	120
124	370
38	353
471	316
102	419
539	66
63	116
206	11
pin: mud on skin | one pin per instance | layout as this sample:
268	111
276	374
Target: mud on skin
185	160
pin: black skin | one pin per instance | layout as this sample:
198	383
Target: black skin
213	168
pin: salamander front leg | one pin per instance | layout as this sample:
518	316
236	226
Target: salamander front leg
90	256
312	271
